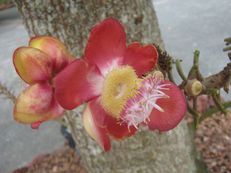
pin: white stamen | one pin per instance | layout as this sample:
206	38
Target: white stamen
157	107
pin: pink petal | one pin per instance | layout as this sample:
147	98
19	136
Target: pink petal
32	65
33	104
55	109
141	58
36	125
174	109
96	132
106	45
117	129
54	48
77	83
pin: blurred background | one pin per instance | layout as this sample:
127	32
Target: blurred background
185	26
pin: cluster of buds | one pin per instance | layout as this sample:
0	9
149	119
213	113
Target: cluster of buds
37	64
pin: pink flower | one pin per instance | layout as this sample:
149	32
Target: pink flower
37	65
110	78
106	77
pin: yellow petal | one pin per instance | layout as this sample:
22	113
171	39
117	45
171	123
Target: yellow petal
99	134
34	104
32	65
89	124
54	48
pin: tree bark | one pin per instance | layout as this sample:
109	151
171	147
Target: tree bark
70	21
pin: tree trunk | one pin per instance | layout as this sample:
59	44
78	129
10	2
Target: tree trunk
70	21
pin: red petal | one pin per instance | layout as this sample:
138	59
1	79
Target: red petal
77	83
32	65
141	58
106	45
117	129
54	48
99	113
96	132
174	109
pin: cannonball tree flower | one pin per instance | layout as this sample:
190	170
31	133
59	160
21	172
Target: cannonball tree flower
37	65
107	77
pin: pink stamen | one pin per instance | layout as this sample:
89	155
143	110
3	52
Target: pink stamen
139	107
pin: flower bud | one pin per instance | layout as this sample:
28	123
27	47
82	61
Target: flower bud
158	74
193	87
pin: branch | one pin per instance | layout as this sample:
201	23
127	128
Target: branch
219	80
207	85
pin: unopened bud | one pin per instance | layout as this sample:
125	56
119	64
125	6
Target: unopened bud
193	87
158	74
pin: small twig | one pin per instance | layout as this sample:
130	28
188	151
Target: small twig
192	71
196	59
195	103
195	115
180	70
213	110
227	48
170	76
218	104
4	91
215	93
227	40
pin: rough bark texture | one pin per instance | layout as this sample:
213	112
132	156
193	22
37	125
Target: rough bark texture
71	20
220	79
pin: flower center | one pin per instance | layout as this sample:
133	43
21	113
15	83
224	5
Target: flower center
119	85
139	107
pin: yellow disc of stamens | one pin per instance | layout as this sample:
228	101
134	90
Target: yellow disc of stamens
119	85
